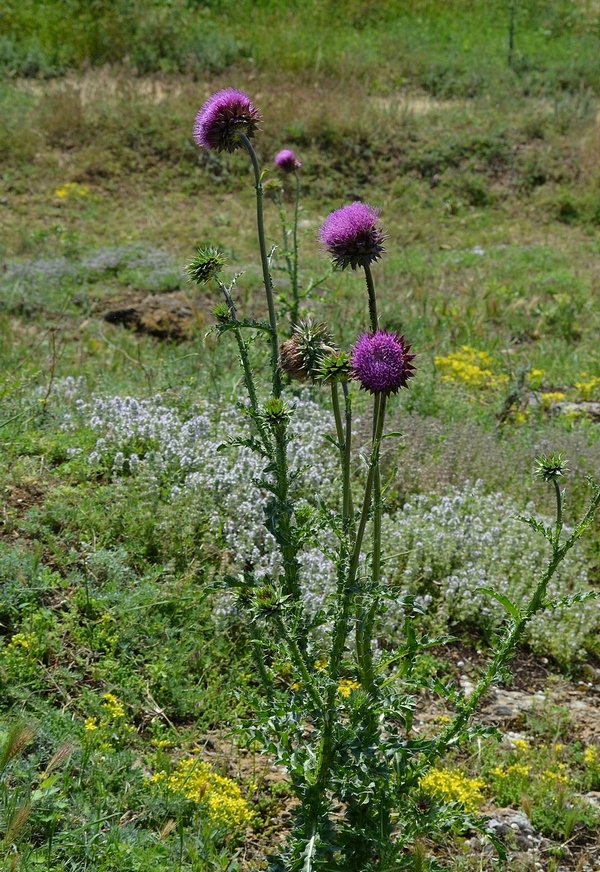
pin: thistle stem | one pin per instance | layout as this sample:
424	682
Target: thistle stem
372	299
380	401
282	522
559	508
343	436
346	579
377	508
260	223
247	369
295	296
348	509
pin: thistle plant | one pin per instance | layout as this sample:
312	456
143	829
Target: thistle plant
335	710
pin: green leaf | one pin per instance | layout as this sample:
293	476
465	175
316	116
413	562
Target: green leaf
503	600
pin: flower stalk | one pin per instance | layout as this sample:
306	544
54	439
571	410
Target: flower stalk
264	258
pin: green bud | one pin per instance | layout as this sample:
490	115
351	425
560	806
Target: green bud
222	313
276	412
335	367
267	600
207	264
549	467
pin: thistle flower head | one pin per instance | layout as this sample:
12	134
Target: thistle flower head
549	467
381	362
335	367
207	263
287	161
352	237
222	120
300	356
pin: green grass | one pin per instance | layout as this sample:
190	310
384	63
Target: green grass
387	43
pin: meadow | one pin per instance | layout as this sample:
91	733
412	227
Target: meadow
126	676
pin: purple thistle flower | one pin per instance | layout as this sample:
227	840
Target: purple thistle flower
287	161
222	119
351	236
381	362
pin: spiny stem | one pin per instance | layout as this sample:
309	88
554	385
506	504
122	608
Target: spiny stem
295	297
284	531
343	437
346	579
260	223
348	509
247	368
380	401
337	414
559	508
372	299
377	508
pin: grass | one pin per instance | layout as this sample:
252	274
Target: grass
488	177
386	42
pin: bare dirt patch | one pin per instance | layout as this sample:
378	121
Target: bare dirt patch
166	316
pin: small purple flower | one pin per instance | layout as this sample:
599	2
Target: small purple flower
287	161
222	119
352	237
381	362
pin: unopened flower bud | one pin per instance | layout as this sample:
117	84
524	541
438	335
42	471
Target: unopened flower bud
207	264
301	356
276	412
287	161
222	313
290	359
550	467
336	367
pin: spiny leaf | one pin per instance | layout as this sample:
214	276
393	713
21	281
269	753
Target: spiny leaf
511	608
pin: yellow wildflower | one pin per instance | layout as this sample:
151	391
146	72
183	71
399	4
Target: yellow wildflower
453	786
558	748
91	724
22	640
518	770
590	389
521	745
471	368
346	686
554	777
498	772
113	708
220	797
321	664
158	777
71	189
535	378
590	756
551	398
